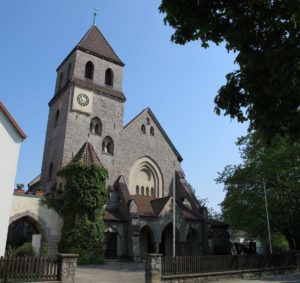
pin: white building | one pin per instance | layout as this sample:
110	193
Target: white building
11	136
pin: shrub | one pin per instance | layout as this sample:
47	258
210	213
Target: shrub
25	249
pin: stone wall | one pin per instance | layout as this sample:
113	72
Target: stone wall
47	220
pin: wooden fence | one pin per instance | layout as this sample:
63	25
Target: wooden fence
28	269
183	265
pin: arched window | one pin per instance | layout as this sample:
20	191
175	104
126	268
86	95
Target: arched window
137	190
89	70
142	191
61	77
96	126
143	129
147	191
152	131
108	145
69	71
56	118
148	121
50	171
152	192
109	77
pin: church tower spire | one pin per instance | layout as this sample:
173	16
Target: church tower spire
88	100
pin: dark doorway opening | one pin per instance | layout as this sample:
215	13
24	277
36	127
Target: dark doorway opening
111	245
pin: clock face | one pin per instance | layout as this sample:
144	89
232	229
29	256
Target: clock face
82	99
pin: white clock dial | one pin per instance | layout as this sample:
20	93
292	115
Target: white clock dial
82	99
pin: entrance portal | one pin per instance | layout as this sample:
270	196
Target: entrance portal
166	246
111	245
146	241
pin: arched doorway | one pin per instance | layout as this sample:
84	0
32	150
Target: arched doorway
21	231
146	241
166	245
191	246
111	244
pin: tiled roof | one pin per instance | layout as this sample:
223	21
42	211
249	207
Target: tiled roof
36	180
87	155
95	42
158	204
144	207
123	189
115	215
12	121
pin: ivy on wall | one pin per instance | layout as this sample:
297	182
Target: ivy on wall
82	209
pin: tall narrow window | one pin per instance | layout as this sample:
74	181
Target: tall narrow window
142	191
143	129
137	190
89	70
109	77
56	118
50	171
147	191
152	131
61	77
108	145
69	71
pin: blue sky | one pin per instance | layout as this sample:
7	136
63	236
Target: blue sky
178	83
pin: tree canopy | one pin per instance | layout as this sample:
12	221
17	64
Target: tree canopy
265	35
278	168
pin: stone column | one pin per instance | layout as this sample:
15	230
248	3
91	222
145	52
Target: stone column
67	264
153	268
156	247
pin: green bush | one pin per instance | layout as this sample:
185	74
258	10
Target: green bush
25	249
86	257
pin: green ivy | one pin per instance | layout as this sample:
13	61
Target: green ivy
82	209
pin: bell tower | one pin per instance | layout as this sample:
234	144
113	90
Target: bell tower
88	104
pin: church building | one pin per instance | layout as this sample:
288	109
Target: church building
86	123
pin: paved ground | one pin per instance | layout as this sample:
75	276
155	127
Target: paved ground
111	272
128	272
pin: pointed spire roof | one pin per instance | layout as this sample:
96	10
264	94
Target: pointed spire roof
94	42
87	155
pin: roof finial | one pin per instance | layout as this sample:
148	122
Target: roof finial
95	15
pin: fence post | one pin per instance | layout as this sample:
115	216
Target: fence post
153	268
67	264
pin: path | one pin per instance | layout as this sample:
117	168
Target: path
111	272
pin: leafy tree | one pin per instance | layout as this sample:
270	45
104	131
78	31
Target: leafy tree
278	168
265	35
82	208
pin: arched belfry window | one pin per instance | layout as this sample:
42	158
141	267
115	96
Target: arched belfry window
50	171
96	126
137	190
109	77
89	70
56	118
108	145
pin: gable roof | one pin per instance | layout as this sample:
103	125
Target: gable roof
87	155
12	121
160	128
94	42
